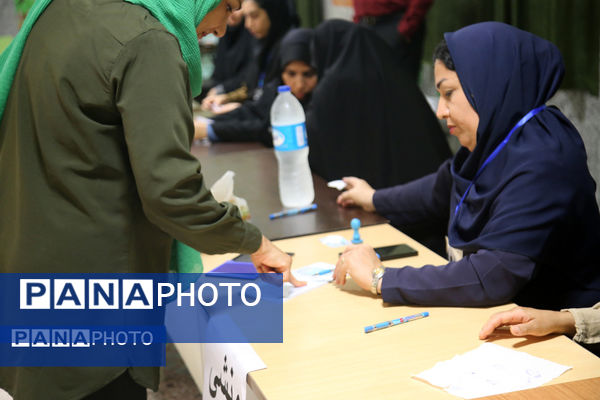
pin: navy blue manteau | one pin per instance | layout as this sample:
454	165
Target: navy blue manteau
530	225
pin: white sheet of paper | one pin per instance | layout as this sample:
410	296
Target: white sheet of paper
334	241
226	366
337	184
491	369
308	273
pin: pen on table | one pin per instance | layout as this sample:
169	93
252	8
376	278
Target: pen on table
293	211
323	271
387	324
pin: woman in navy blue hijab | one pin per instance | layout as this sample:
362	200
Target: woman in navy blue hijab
523	222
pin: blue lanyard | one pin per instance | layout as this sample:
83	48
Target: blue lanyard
497	150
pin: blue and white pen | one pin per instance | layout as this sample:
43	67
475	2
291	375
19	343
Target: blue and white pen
293	211
323	271
387	324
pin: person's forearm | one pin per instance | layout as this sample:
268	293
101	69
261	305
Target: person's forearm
157	122
482	279
419	200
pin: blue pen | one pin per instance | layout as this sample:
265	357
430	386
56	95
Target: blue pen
387	324
293	211
323	271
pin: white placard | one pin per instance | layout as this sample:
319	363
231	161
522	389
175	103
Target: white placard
226	366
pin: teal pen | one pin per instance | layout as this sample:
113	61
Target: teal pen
293	211
387	324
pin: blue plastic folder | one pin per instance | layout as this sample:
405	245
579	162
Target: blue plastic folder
235	269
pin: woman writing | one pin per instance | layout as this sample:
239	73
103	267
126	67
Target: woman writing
523	223
96	172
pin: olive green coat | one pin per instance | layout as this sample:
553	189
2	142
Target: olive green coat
95	169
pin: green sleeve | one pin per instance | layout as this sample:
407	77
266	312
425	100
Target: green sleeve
150	84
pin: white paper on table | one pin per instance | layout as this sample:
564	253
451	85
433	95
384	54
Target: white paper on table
491	369
226	366
307	273
334	241
337	184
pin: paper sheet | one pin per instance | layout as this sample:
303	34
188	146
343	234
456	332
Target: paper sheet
337	184
308	273
491	369
225	368
334	241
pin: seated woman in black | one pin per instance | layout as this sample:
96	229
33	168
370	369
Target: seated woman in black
524	224
268	21
366	119
251	121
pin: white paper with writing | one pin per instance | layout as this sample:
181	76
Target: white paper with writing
315	275
225	368
491	369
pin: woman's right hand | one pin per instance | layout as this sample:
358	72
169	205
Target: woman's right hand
269	258
358	193
212	101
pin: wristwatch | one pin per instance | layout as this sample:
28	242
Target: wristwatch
377	274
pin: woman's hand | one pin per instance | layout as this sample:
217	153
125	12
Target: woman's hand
225	108
525	321
211	102
358	261
358	193
268	258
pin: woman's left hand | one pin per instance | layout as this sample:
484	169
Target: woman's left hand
358	261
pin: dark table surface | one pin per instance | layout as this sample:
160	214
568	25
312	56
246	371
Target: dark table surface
255	180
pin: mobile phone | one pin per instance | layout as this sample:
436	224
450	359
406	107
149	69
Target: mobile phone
395	251
246	257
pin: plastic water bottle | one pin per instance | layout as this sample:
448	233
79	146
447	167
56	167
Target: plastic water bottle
291	149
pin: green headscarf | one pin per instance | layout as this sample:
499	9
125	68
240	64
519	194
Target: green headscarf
180	17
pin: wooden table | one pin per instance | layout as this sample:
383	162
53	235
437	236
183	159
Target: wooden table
255	180
326	354
585	389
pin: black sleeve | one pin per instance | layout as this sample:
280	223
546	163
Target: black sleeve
485	278
250	122
427	198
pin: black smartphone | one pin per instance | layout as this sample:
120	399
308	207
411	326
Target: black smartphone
246	257
395	251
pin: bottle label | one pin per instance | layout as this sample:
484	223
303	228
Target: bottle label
289	137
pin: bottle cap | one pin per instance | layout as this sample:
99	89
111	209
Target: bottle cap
283	88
